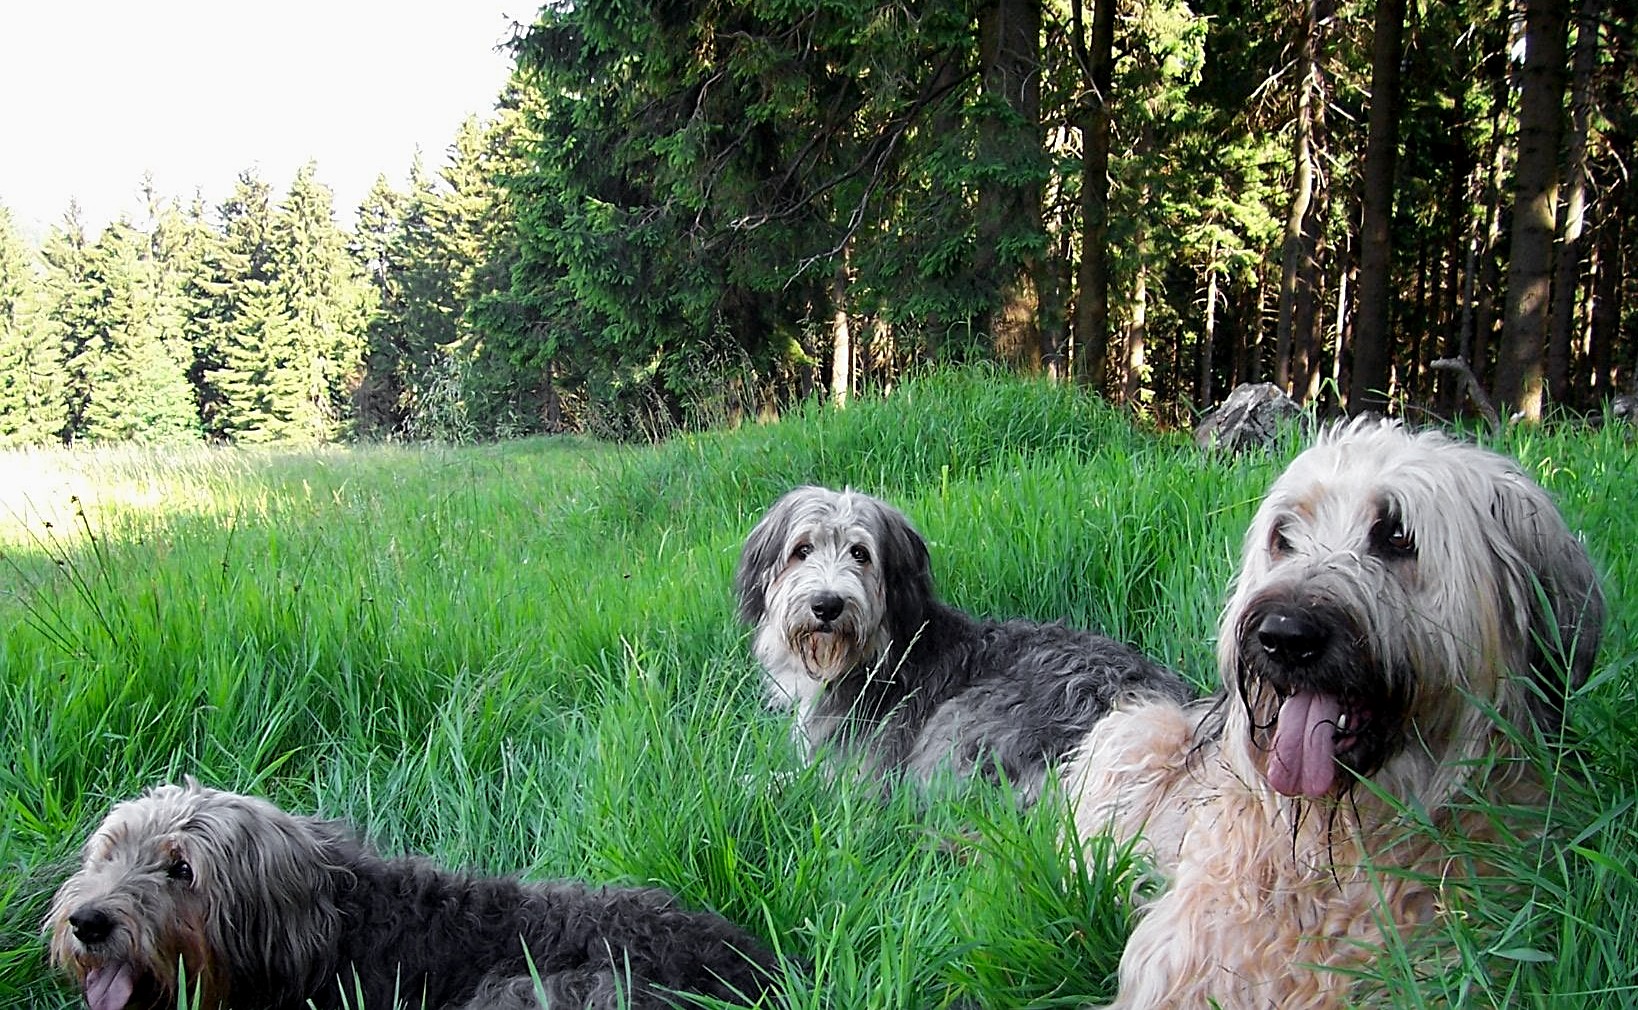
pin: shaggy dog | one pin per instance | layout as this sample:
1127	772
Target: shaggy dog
245	905
839	588
1406	607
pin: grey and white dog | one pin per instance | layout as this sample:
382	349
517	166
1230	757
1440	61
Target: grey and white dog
839	588
236	903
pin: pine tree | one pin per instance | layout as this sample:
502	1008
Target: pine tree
1010	172
1520	367
437	258
507	388
1374	324
255	386
264	391
377	399
70	307
326	299
181	246
417	305
32	410
123	383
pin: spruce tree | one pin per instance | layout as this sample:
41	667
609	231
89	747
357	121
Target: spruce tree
31	401
181	245
124	383
434	255
377	398
328	303
510	374
255	386
263	390
415	296
70	309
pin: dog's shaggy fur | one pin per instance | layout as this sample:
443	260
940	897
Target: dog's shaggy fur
839	588
1406	606
263	909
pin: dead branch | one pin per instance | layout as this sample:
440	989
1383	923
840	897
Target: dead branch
1475	391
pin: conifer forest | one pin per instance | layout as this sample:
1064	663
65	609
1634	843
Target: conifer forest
680	214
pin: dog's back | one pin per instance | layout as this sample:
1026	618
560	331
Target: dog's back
997	699
488	941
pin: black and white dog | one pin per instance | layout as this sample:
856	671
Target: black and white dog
839	588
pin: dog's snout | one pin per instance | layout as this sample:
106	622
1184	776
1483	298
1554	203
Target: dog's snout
1292	638
91	925
827	607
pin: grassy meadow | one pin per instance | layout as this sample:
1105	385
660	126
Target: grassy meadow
524	657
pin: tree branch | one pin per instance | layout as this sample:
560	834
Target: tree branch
1475	391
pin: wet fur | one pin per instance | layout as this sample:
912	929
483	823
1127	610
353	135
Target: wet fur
1454	605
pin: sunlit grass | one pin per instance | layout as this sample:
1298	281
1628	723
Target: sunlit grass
524	658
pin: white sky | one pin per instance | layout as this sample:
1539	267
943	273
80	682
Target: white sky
93	93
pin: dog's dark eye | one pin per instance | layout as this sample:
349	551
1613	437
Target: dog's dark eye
1277	543
801	552
1399	540
179	870
859	553
1392	539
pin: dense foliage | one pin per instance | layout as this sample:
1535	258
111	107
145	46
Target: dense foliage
684	213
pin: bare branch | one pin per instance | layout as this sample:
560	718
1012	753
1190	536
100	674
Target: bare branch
1475	391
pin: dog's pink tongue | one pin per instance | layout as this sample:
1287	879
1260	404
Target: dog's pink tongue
108	987
1304	759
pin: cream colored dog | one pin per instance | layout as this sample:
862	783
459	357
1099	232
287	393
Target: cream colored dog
1402	599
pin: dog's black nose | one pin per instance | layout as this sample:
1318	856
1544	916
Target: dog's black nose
1292	638
827	607
91	925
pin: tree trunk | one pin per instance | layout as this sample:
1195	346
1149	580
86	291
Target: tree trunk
1255	335
1415	325
1609	279
1567	278
1009	211
1053	284
1487	283
1471	247
841	336
1484	301
1346	273
1449	306
1137	336
1297	252
1372	339
1097	62
1529	270
554	404
1209	338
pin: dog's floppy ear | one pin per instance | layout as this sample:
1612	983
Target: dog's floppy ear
763	553
268	887
907	572
1559	587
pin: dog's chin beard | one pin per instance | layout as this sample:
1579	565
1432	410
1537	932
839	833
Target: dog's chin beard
827	651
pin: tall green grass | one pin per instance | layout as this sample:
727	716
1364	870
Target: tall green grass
524	657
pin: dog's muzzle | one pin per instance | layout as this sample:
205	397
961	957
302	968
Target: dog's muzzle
91	926
827	607
1335	707
1292	638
